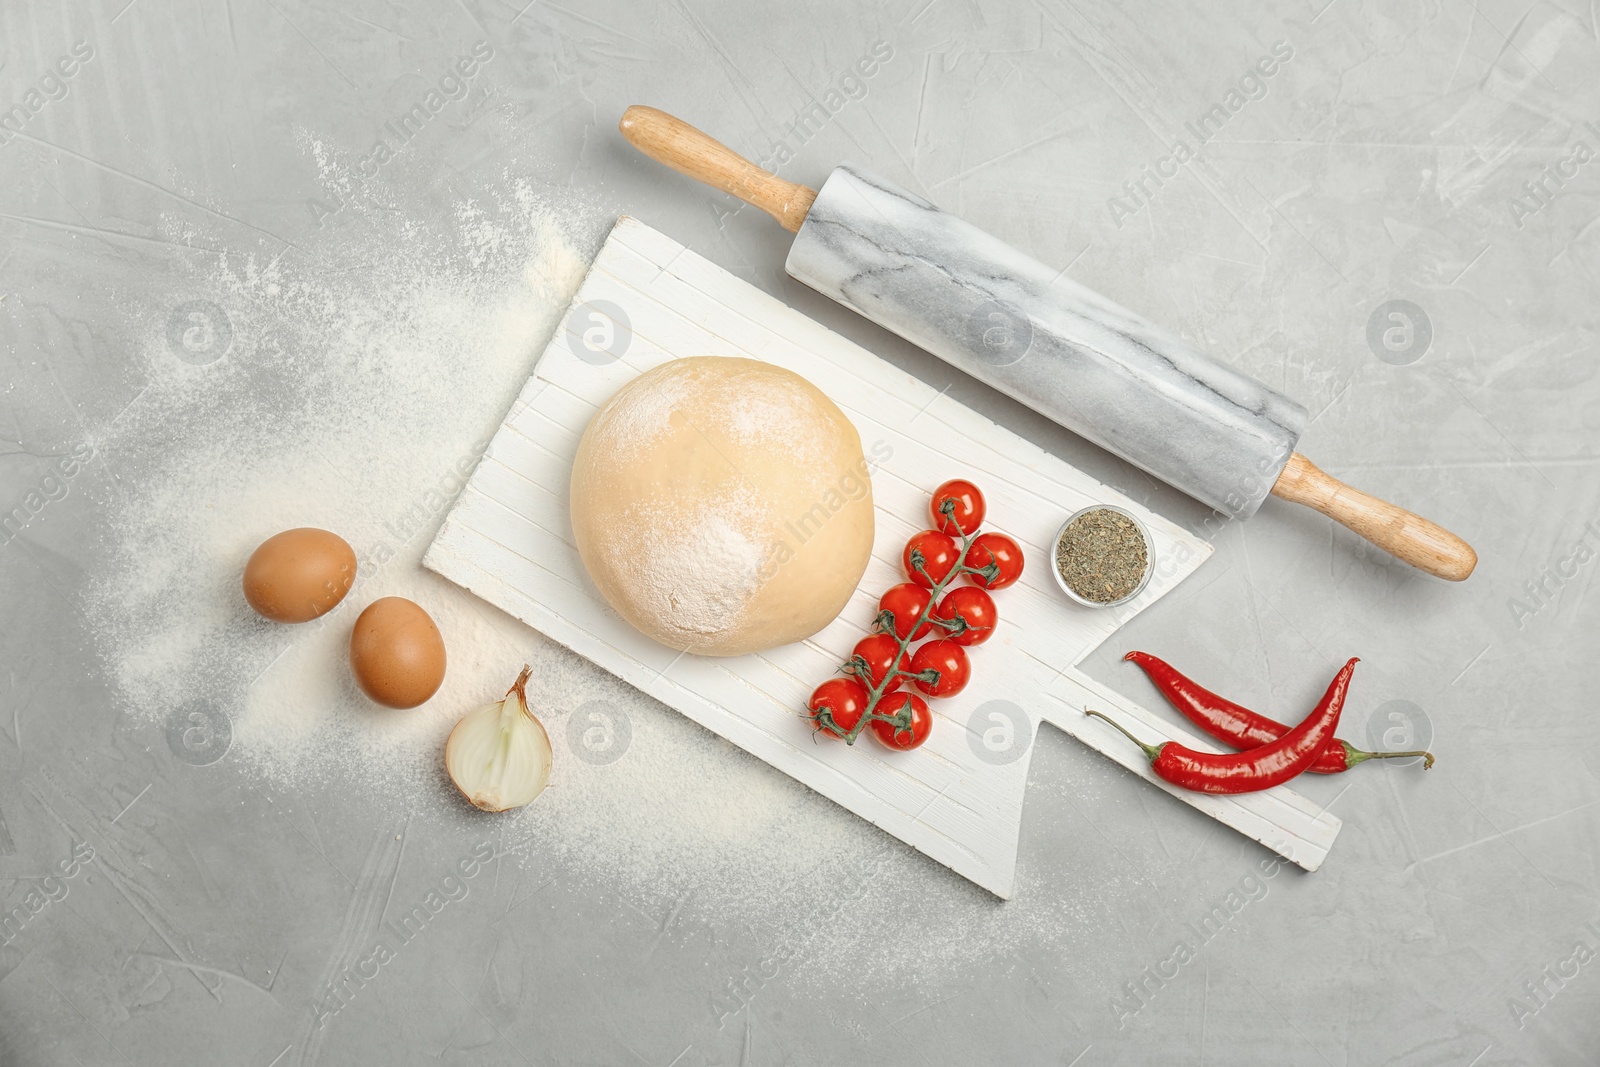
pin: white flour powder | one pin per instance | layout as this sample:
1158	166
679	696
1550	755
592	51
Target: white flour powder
365	373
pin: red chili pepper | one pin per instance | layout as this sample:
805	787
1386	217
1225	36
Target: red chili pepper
1259	768
1241	727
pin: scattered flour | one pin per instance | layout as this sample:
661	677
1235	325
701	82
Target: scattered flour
705	562
364	377
366	372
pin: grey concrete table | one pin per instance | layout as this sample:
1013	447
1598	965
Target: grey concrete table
1388	212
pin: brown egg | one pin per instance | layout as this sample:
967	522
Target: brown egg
299	574
396	653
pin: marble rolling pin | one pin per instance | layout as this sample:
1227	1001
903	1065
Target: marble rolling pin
1008	320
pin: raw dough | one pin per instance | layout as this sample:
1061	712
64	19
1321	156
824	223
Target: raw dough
722	505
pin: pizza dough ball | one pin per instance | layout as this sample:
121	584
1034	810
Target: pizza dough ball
722	505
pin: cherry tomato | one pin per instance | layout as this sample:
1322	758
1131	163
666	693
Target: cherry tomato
966	503
840	701
903	739
1000	550
906	602
939	553
974	607
949	660
876	654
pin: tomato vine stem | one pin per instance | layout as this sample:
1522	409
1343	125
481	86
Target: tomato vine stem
901	720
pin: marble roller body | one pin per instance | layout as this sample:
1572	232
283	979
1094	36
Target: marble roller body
1020	326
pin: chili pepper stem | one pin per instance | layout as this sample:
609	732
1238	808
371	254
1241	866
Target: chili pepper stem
1353	756
1150	751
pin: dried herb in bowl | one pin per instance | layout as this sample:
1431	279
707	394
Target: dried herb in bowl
1102	555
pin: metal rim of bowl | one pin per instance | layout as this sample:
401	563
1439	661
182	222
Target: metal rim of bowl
1149	557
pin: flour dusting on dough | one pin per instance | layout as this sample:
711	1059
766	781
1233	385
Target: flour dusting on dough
695	570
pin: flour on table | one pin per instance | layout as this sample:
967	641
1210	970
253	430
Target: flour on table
367	369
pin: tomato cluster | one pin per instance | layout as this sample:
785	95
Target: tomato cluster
871	694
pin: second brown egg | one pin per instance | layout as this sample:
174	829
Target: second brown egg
396	653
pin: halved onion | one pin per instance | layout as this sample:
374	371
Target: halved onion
499	755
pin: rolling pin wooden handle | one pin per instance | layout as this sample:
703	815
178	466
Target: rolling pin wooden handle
1410	538
688	151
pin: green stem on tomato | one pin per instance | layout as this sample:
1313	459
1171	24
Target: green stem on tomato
900	720
824	721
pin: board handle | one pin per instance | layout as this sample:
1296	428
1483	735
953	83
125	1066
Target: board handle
669	140
1410	538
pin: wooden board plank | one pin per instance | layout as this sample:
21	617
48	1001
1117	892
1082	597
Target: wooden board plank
958	799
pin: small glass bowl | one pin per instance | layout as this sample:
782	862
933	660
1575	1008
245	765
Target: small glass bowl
1149	557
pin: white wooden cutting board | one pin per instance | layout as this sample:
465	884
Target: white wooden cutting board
958	798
